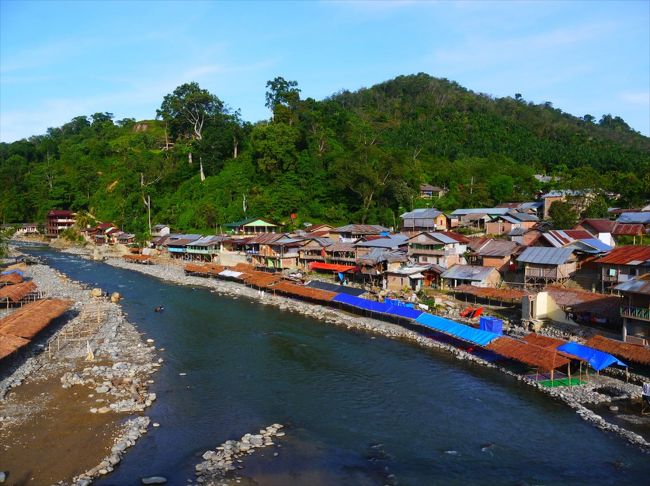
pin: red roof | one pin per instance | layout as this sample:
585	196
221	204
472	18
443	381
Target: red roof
616	229
330	266
60	213
455	236
626	255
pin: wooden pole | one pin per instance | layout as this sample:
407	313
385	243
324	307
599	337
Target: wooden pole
568	367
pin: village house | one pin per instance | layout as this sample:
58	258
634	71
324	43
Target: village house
477	218
409	277
579	199
27	229
622	264
636	309
274	251
205	249
351	233
499	254
317	231
392	242
160	230
125	238
543	266
525	237
440	249
251	226
313	250
341	254
476	276
58	220
373	265
176	244
609	232
431	192
424	219
504	223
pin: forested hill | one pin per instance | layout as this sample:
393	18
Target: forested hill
356	156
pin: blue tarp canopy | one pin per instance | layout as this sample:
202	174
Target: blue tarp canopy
598	360
492	324
466	333
374	306
8	272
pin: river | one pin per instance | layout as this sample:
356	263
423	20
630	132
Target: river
357	409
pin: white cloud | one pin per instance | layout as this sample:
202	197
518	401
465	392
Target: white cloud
639	98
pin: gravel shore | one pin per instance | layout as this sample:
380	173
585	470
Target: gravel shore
91	372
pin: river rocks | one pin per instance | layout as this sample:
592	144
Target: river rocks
96	292
115	297
219	462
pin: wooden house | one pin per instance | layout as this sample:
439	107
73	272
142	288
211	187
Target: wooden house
636	310
424	219
622	264
428	191
437	248
503	224
205	249
251	226
406	277
351	233
543	266
500	254
474	275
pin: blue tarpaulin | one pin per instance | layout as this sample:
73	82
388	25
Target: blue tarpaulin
397	302
492	324
374	306
598	360
466	333
8	272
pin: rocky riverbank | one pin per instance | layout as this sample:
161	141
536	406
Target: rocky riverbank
576	397
82	387
217	463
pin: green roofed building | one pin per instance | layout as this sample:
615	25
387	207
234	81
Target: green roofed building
251	226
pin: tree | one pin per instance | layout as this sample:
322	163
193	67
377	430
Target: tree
501	187
597	209
563	215
186	111
282	98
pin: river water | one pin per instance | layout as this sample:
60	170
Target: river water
358	410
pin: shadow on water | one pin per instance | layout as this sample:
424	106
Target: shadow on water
357	410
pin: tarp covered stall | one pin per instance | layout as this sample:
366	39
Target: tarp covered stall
632	352
339	289
460	331
331	267
379	307
598	360
536	356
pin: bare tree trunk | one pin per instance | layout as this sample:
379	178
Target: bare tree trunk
201	165
189	158
235	147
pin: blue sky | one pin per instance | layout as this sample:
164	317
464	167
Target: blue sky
63	59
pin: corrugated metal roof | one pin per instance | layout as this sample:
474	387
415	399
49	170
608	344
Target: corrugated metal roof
597	244
410	270
627	255
468	272
563	193
546	256
641	217
393	241
531	205
638	285
464	211
361	229
377	255
497	248
421	213
265	238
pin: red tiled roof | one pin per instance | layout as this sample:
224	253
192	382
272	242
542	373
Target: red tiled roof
624	255
623	229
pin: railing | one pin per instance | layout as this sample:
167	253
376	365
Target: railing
639	313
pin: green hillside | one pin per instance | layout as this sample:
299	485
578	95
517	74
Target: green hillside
356	156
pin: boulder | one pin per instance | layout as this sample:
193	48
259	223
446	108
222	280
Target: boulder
115	297
96	292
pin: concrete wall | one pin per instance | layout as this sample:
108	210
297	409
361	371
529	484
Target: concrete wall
545	308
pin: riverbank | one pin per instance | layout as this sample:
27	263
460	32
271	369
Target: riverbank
579	398
82	387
